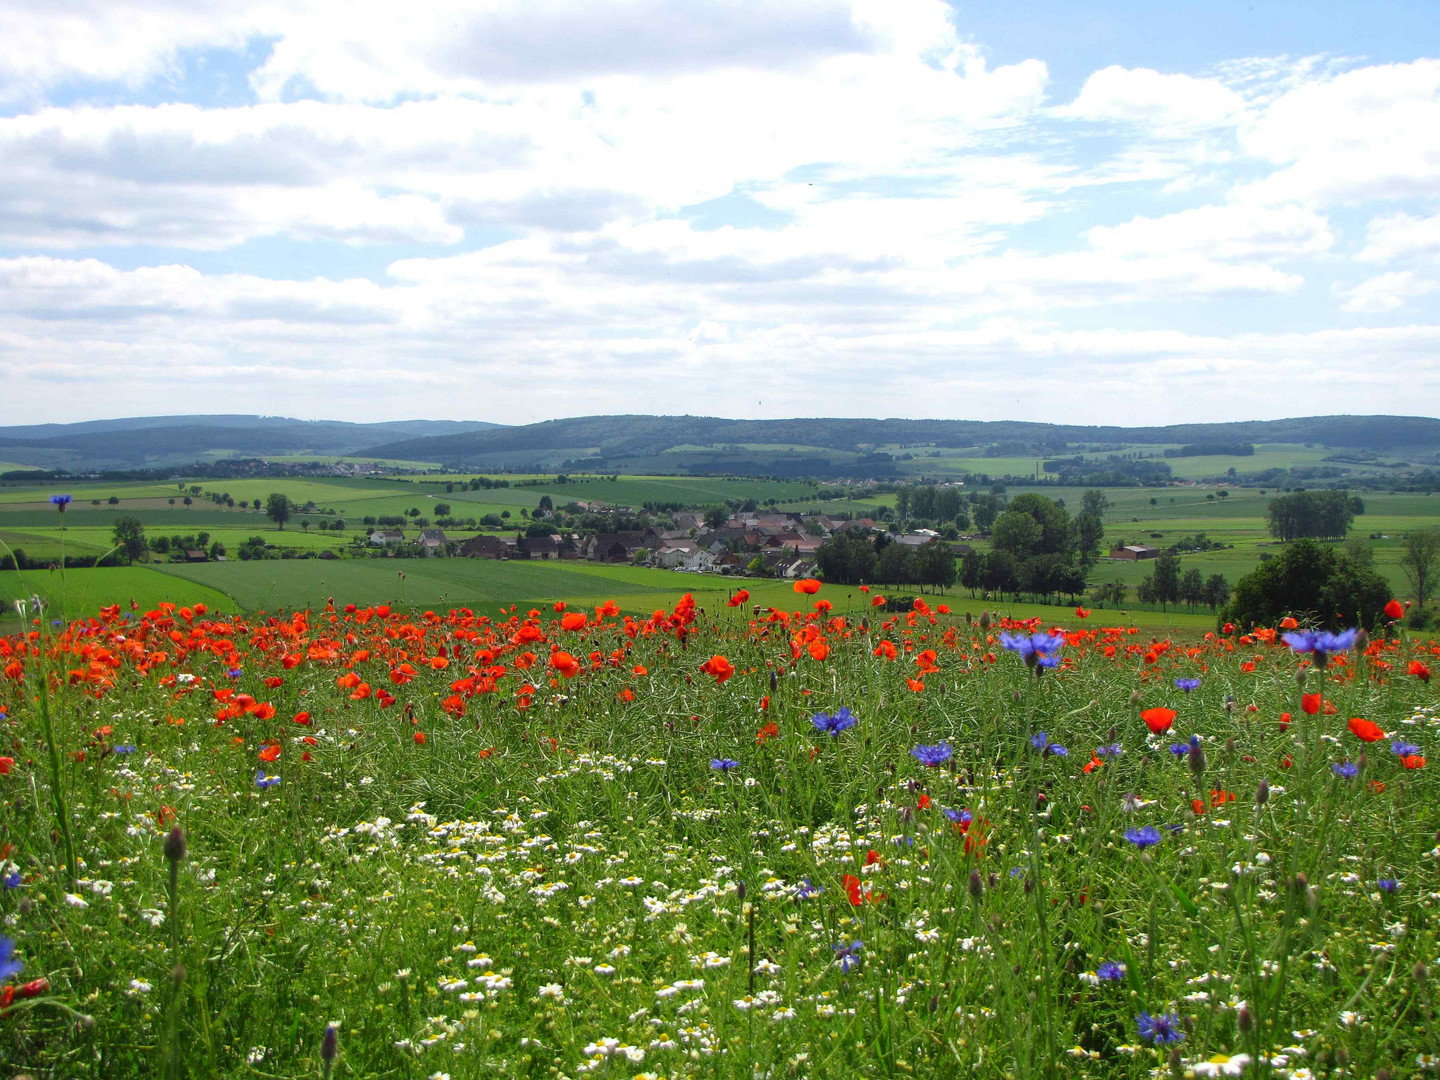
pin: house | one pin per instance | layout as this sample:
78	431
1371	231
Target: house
537	547
728	561
432	541
1135	552
387	537
487	547
683	555
195	555
611	547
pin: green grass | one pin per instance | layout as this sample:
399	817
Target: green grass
84	592
494	885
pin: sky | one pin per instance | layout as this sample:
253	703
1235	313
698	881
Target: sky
515	210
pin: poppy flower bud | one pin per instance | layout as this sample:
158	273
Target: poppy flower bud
1421	973
977	886
177	974
985	620
1362	641
1300	676
175	844
1230	705
1176	1061
969	619
773	682
740	889
1262	793
1361	760
935	998
1382	1074
1196	757
1342	1057
1243	1020
1134	697
1112	733
1229	746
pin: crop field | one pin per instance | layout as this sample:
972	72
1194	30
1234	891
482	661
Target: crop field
574	842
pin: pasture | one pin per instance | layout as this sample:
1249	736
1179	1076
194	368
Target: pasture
361	842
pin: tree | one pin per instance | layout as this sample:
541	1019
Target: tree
443	509
1192	587
935	565
114	500
278	508
1318	584
129	536
1018	533
1217	591
972	571
256	503
1420	560
1088	531
716	516
1094	501
902	502
1166	579
895	565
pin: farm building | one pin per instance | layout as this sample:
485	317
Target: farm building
1135	552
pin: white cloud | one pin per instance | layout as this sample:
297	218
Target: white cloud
1368	134
1171	105
1401	236
1388	292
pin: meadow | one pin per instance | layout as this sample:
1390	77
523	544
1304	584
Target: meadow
564	841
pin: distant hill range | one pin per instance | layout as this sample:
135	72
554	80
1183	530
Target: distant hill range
163	441
684	444
821	446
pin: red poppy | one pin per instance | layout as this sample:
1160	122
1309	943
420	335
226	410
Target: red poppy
1310	703
915	684
859	893
1394	609
769	731
6	764
741	597
877	601
565	664
572	620
271	752
887	650
1419	670
1289	623
809	586
560	605
1158	720
1413	761
819	649
1365	730
719	667
1284	721
1082	613
419	738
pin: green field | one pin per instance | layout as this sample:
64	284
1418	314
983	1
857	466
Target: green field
83	592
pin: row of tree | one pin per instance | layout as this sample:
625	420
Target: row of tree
1314	515
851	558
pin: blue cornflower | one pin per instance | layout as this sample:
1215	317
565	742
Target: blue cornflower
1345	769
1042	743
234	673
1404	749
1187	684
1143	837
11	880
9	966
834	725
1179	749
932	755
807	890
724	764
1114	750
1388	884
263	781
60	502
1110	971
847	956
126	749
1300	641
960	817
1161	1029
1035	649
1017	871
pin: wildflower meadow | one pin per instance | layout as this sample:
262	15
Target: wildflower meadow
745	842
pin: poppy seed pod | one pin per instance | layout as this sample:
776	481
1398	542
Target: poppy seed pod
1262	793
1243	1020
1134	697
740	889
977	886
1421	973
175	844
1362	641
985	620
1300	676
